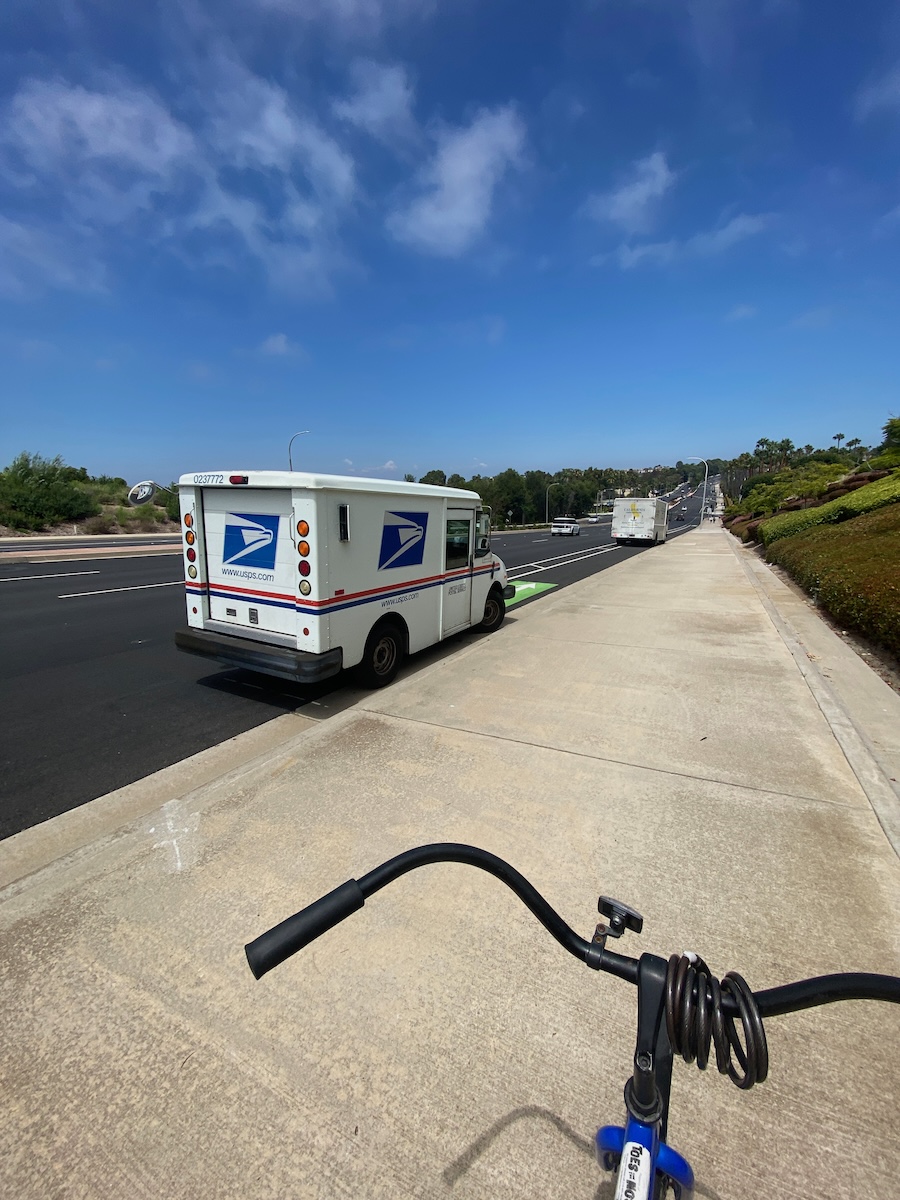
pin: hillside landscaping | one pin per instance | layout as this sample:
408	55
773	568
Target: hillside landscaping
836	533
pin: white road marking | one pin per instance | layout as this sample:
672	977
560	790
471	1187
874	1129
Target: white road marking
550	563
140	587
60	575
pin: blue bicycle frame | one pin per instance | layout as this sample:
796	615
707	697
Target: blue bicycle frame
642	1158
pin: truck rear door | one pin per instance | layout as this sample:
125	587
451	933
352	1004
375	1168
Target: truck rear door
250	558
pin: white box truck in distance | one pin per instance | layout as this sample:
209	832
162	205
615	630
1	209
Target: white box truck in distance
638	519
300	575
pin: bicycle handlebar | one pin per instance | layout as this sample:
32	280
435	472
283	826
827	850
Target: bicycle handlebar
271	949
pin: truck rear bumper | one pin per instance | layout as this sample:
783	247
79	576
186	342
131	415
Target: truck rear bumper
297	665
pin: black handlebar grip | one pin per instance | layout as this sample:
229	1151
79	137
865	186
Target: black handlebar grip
275	945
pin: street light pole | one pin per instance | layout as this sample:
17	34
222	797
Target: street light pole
697	458
290	443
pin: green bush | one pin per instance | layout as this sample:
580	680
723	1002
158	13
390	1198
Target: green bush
888	458
852	570
762	495
854	504
36	492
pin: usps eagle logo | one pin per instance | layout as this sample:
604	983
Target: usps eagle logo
402	540
251	540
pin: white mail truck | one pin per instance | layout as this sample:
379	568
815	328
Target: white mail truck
640	519
300	575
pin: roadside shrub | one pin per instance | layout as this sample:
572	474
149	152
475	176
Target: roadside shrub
36	492
852	570
888	458
102	523
844	508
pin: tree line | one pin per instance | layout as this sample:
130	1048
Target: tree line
531	497
37	492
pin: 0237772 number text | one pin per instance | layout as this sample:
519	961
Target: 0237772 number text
209	479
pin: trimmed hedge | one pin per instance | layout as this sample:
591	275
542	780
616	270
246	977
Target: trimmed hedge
854	504
852	570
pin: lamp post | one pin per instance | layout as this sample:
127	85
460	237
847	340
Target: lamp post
547	503
697	458
290	443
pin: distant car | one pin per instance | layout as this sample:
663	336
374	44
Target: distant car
679	516
593	519
565	527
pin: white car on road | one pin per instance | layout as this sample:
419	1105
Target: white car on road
565	527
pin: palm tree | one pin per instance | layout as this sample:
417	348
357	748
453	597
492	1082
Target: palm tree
838	437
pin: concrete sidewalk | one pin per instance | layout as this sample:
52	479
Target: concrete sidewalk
651	733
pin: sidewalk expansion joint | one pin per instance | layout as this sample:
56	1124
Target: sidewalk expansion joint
622	762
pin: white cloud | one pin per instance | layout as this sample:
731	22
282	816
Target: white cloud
701	245
32	258
110	155
52	123
200	372
741	312
716	28
255	126
390	465
633	204
113	159
381	103
883	93
889	223
737	230
352	20
459	184
279	345
814	318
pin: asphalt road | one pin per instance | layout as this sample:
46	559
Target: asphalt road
94	695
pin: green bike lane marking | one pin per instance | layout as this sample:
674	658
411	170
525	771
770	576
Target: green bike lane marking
524	591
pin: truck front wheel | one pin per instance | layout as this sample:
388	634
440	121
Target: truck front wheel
494	611
382	657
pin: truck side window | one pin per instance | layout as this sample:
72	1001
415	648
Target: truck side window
483	537
457	547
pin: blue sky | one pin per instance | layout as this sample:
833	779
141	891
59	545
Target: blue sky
450	234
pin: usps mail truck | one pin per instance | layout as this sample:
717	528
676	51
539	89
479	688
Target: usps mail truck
640	519
300	575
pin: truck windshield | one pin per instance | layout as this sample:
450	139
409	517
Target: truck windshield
483	535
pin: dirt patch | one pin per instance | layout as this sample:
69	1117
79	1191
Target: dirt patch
78	530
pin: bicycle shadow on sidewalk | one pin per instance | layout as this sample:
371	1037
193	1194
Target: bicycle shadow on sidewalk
470	1156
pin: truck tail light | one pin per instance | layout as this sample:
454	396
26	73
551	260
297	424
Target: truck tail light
303	528
188	520
191	554
304	567
237	478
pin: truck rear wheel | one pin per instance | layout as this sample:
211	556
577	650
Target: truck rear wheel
494	611
383	656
